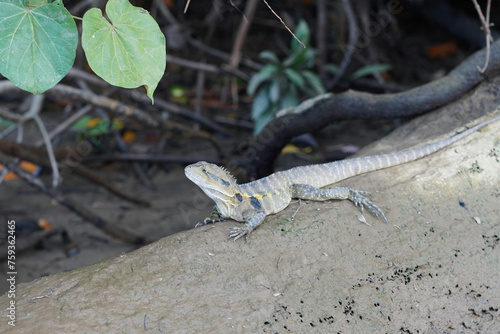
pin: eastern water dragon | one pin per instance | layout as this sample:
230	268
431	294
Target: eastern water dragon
252	202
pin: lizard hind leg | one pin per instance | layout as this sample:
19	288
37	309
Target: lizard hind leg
305	191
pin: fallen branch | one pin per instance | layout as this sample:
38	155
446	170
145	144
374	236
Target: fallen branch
68	92
72	205
314	114
67	156
129	157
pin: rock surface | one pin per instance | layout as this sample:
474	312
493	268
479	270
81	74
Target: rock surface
313	267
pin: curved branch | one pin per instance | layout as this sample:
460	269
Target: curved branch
312	115
353	36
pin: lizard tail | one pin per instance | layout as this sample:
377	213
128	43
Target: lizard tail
340	170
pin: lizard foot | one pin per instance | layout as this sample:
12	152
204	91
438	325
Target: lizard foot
208	221
356	196
238	232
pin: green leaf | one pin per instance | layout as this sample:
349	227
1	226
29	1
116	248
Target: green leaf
309	57
262	121
290	98
303	34
295	58
314	81
127	51
103	127
5	123
37	44
261	102
274	90
269	56
92	127
369	70
332	68
295	78
81	124
264	74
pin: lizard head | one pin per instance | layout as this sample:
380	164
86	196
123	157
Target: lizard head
215	181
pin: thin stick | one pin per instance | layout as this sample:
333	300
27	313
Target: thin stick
321	35
282	22
66	124
486	28
49	148
250	8
220	54
187	5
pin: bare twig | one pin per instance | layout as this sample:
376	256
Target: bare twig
486	28
179	111
67	156
223	55
143	98
206	67
33	113
250	8
282	22
63	126
187	5
321	35
78	94
76	73
150	158
36	106
353	36
50	150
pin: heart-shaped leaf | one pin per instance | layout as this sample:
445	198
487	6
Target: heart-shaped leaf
126	51
37	44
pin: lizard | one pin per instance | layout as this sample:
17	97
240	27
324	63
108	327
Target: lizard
251	202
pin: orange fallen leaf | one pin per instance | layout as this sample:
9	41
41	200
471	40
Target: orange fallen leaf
26	165
443	50
129	136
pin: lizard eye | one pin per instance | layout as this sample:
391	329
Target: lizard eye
204	169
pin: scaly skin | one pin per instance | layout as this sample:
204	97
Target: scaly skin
252	202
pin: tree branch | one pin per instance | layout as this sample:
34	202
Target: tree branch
314	114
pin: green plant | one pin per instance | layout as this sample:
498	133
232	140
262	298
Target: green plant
363	71
278	84
38	40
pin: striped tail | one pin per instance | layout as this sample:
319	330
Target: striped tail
329	173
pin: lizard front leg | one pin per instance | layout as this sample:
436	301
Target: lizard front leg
215	217
255	218
305	191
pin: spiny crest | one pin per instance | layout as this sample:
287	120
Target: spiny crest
230	176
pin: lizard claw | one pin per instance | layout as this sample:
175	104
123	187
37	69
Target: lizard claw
357	198
238	232
207	221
